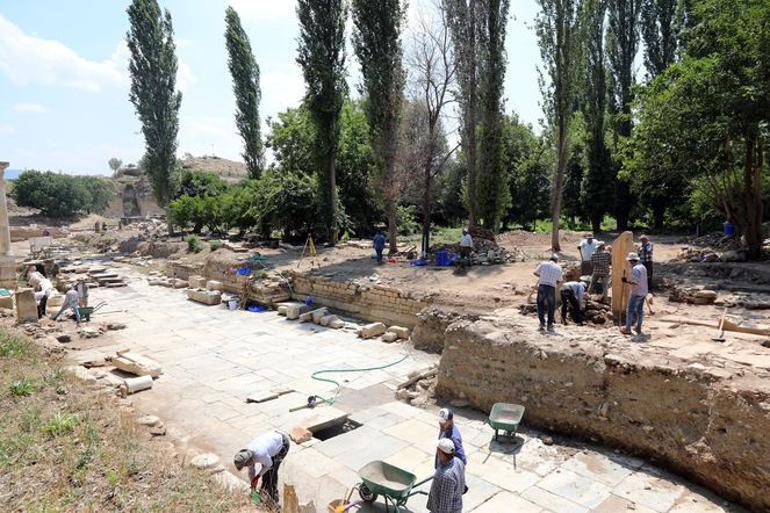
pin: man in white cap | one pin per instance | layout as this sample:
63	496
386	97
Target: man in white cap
549	277
448	485
638	282
268	451
448	429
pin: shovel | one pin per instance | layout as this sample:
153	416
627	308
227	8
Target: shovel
721	336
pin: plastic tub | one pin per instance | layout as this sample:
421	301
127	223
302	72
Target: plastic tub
729	228
232	304
442	258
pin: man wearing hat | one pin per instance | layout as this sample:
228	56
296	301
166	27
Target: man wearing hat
638	282
448	429
268	451
446	490
549	277
587	248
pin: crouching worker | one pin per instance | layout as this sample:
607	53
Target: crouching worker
446	490
573	296
268	451
71	300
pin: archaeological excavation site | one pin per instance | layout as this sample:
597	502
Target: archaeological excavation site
202	352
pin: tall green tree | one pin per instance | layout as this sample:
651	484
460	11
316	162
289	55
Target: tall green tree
558	33
659	33
597	188
622	47
492	198
322	58
377	43
153	68
245	72
463	17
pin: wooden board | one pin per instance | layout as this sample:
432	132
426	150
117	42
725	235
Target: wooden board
621	247
728	325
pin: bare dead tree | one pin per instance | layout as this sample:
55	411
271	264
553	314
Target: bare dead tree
431	69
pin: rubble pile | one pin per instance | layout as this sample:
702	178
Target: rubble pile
691	295
419	388
596	312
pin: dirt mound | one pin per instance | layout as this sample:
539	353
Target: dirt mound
230	170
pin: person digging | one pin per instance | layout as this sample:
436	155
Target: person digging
268	451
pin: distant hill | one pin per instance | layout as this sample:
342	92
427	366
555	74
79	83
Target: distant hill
230	170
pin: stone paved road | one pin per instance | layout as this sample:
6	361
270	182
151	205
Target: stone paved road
213	359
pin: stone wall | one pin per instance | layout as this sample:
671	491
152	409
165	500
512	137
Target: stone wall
706	423
370	302
429	332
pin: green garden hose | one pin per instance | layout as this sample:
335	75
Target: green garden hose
312	400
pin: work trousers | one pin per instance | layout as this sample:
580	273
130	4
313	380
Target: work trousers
41	307
269	486
649	266
379	251
586	268
568	298
635	312
546	300
64	307
600	282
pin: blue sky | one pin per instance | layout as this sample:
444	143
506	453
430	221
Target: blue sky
64	79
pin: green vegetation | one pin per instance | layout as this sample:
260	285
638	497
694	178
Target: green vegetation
194	244
65	447
62	196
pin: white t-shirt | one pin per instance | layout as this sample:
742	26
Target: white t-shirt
587	249
466	241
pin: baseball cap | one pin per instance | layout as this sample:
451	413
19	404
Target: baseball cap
446	445
445	414
555	257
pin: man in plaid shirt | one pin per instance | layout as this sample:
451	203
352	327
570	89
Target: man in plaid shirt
645	257
446	490
601	272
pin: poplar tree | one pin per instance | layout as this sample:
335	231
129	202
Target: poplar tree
153	93
659	32
322	58
377	43
492	193
597	188
557	28
622	47
245	72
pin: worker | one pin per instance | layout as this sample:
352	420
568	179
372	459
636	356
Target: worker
645	257
71	299
379	245
466	245
446	490
638	282
82	287
587	248
600	275
41	296
549	275
573	295
267	450
448	429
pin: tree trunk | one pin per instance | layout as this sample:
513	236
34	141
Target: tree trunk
596	223
426	208
333	229
658	213
752	190
390	212
558	179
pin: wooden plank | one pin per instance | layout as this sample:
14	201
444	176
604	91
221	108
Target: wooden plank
728	325
621	247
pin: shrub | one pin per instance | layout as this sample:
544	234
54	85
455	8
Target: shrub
12	346
59	424
215	244
61	196
194	244
22	387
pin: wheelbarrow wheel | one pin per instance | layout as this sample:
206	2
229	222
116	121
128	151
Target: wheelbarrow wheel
366	494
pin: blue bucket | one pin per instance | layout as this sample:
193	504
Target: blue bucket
442	258
729	228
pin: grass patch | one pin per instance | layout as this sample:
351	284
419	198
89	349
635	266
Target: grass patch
64	448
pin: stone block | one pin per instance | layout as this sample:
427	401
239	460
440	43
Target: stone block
337	324
309	316
374	329
389	336
179	284
215	285
400	331
294	310
300	434
282	310
26	308
319	314
7	302
137	364
326	320
196	282
207	297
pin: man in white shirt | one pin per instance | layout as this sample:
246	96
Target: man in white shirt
268	451
466	244
638	282
549	277
42	295
587	248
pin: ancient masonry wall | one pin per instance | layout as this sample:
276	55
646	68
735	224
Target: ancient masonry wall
700	422
369	302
